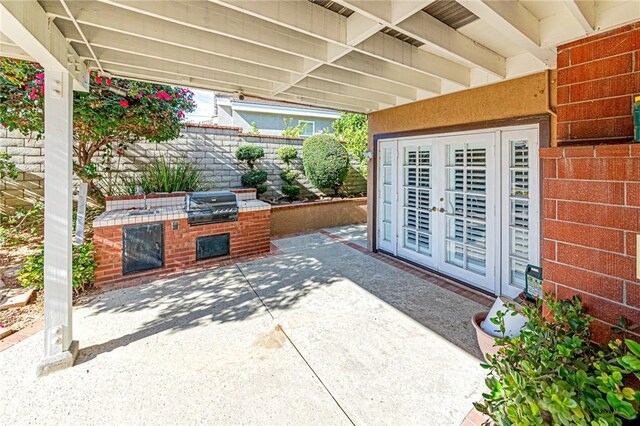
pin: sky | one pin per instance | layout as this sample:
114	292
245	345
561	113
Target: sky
204	108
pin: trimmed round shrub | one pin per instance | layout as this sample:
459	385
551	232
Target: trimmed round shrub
287	153
325	161
291	191
289	176
250	154
254	178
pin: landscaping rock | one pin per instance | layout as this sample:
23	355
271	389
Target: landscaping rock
15	297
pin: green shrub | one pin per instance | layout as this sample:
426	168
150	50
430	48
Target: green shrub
553	374
254	130
287	153
289	176
162	176
291	131
7	166
326	162
291	191
32	272
250	154
255	179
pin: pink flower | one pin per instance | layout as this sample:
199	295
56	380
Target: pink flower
163	95
98	79
40	76
124	103
180	114
139	95
108	82
33	96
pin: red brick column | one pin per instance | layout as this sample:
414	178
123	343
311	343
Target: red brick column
597	78
591	215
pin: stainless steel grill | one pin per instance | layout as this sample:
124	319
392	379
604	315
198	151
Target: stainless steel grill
211	207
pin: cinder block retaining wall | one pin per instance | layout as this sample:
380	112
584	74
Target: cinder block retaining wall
212	148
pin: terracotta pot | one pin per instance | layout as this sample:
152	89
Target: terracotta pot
486	342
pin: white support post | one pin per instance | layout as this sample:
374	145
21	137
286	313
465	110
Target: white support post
59	348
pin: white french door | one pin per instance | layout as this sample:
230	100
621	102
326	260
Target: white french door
455	204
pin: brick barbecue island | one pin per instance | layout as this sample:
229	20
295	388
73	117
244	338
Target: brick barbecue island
140	237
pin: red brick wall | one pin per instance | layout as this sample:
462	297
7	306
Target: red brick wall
597	77
591	215
249	235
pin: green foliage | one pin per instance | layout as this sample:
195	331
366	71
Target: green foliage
163	176
114	113
254	130
32	272
7	166
326	161
250	154
291	131
289	176
287	153
353	130
553	374
291	191
255	179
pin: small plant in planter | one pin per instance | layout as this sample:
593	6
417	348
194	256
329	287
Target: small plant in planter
552	374
289	189
253	178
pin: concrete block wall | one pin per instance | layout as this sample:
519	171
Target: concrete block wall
211	148
597	78
27	152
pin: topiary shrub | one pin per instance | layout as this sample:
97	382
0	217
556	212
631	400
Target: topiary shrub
250	154
254	178
326	161
286	154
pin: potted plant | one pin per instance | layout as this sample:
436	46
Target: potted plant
488	324
553	374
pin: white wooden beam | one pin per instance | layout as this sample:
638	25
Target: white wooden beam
59	349
27	24
323	96
584	12
427	29
340	89
360	28
514	21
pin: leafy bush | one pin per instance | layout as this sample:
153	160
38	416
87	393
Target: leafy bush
7	166
250	154
326	161
553	374
161	176
32	272
291	131
255	179
353	129
291	191
254	130
287	153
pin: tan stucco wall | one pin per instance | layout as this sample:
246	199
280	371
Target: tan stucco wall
532	95
296	218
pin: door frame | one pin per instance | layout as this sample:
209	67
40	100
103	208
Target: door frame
544	138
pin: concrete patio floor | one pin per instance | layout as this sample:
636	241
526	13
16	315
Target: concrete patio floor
319	334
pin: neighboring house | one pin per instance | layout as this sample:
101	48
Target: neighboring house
270	117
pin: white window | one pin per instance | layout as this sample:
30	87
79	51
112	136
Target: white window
308	127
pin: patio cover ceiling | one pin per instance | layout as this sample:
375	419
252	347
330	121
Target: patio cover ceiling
349	54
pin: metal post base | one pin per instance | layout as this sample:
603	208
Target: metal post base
59	361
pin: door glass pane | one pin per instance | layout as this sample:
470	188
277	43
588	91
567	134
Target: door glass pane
519	211
466	206
416	220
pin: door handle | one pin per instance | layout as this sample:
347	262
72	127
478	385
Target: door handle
441	210
434	208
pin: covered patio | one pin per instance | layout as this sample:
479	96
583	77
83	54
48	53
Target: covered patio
363	56
316	334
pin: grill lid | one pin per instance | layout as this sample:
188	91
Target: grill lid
198	201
